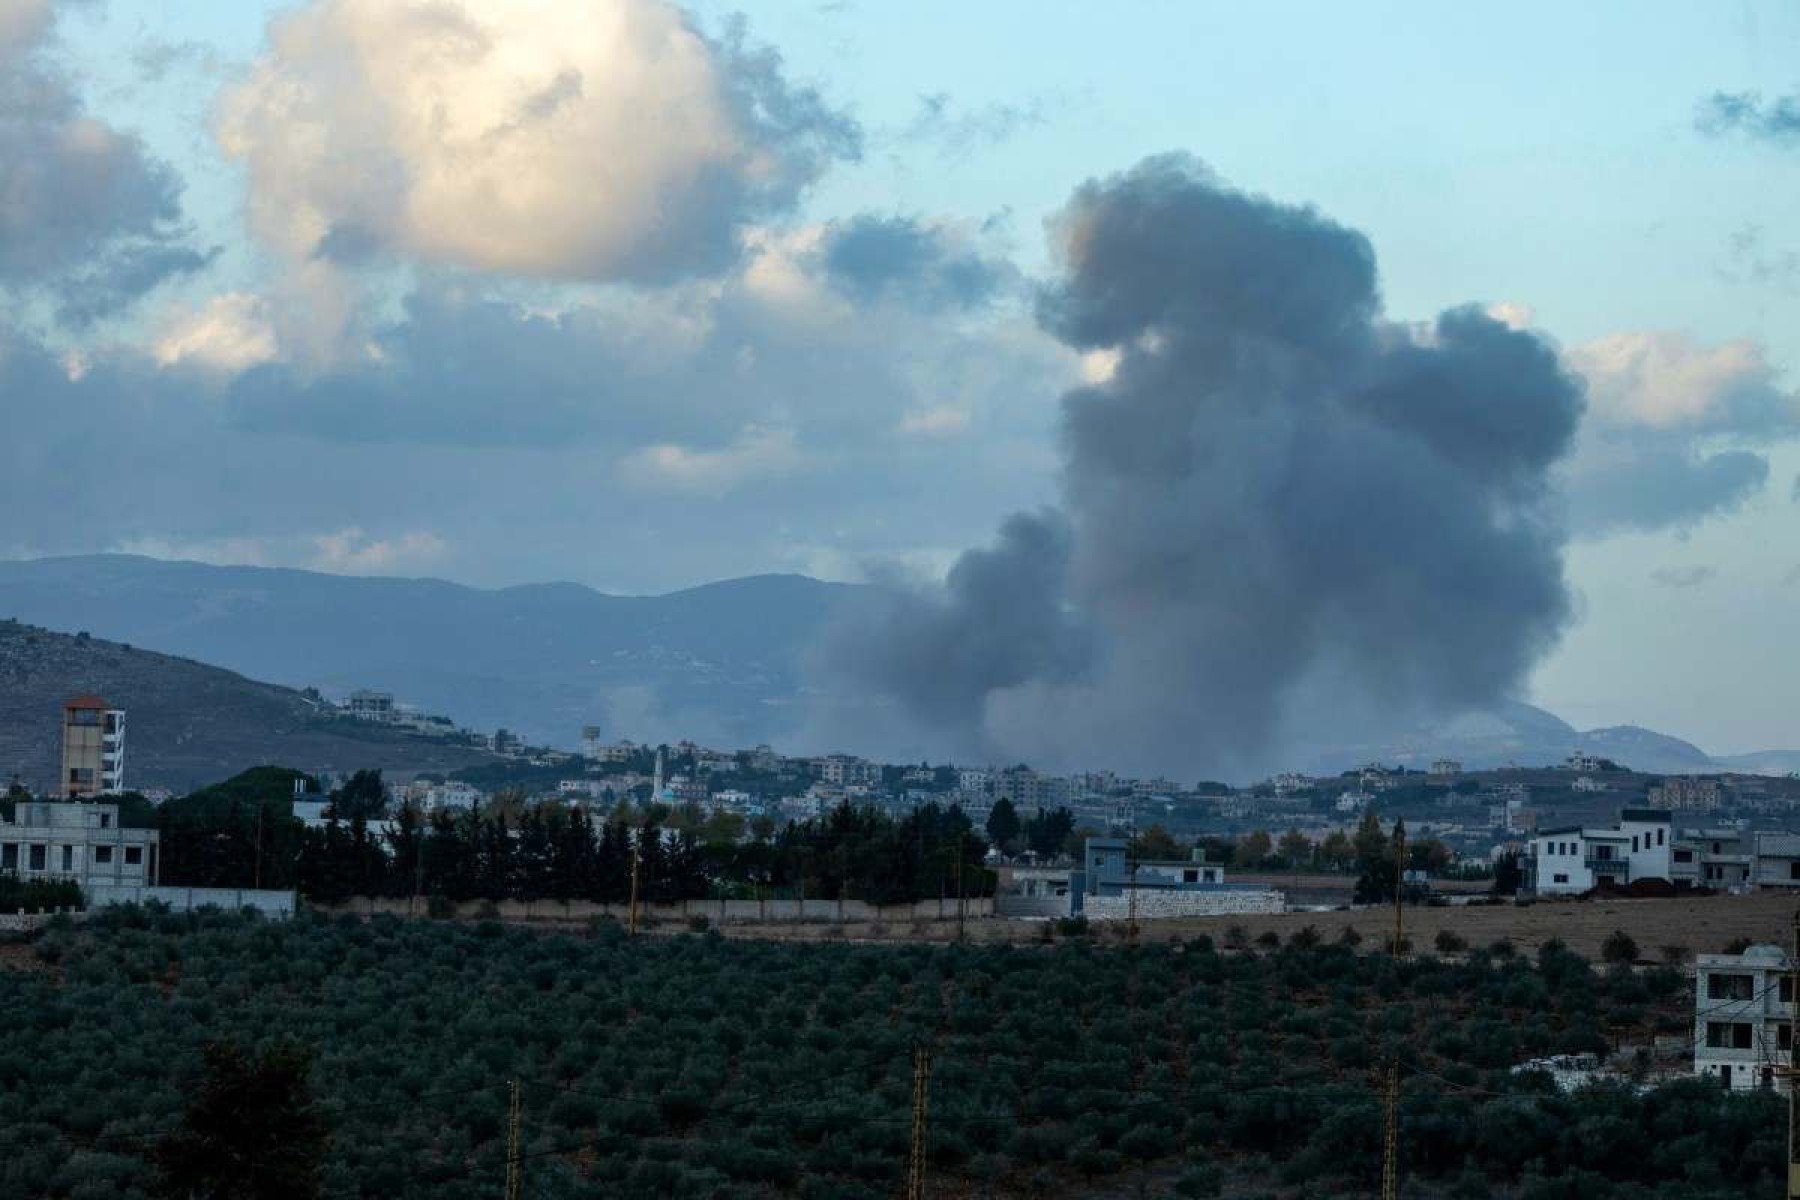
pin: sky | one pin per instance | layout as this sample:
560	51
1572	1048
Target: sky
641	296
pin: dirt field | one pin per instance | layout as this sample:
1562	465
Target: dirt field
1699	925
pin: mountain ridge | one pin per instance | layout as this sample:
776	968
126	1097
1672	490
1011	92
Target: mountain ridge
720	662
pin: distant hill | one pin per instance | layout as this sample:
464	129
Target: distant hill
186	723
717	663
720	663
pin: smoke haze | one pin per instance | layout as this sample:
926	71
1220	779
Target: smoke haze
1284	520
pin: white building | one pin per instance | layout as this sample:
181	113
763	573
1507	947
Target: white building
366	705
1743	1017
591	746
1571	860
1587	783
80	842
1446	766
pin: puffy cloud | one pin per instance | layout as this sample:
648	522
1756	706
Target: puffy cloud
1282	518
87	216
610	140
350	551
229	334
1749	113
1671	426
873	257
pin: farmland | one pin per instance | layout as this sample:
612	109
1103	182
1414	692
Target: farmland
701	1066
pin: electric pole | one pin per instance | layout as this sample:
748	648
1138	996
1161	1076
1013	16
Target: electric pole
515	1156
1131	928
961	906
915	1165
259	825
1390	1151
637	845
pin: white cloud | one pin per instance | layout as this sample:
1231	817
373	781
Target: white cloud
1669	429
1667	380
1513	314
756	454
352	552
607	140
230	333
942	421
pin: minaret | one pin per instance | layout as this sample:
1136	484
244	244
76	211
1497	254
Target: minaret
657	787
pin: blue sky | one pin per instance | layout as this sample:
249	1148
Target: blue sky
1545	157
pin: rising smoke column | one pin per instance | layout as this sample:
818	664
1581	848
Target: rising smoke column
1283	520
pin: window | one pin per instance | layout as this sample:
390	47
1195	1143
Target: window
105	820
34	859
1190	876
1784	1036
1728	1035
1661	836
1634	843
102	855
68	858
1720	986
9	857
1716	849
1687	856
1559	879
1787	989
1794	869
134	856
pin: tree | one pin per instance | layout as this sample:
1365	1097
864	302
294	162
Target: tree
1378	875
363	795
1336	851
1156	843
1508	874
250	1131
1296	850
1619	947
1254	850
1004	826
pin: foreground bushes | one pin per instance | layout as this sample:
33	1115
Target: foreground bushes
696	1066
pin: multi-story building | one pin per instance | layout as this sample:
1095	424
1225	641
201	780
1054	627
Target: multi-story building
1722	859
1686	792
1446	766
1777	863
1744	1017
591	745
81	842
1570	860
93	748
366	705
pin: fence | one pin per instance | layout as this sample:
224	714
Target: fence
186	899
724	912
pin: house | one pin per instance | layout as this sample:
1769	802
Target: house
1777	862
1743	1017
1722	859
367	705
1574	859
82	842
1446	766
93	748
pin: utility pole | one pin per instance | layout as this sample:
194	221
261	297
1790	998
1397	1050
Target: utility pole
259	825
418	870
915	1164
961	904
637	844
1793	1072
1131	926
1390	1151
515	1150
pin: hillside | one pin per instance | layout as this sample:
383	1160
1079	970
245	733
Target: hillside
719	662
187	723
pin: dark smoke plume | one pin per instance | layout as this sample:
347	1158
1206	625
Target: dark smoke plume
1285	520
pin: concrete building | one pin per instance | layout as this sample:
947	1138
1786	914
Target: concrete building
1683	792
1777	864
77	841
591	745
1722	859
366	705
1109	885
93	748
1743	1017
1446	766
1570	860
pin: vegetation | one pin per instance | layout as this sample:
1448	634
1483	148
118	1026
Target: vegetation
250	1131
694	1066
37	895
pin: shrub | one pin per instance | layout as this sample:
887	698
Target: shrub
1674	955
487	910
1502	948
1349	937
1268	938
1305	937
440	907
1072	926
1619	947
699	923
1236	937
1450	942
